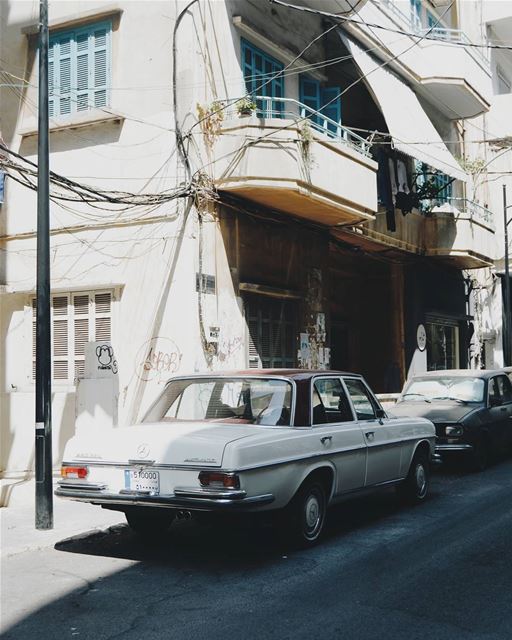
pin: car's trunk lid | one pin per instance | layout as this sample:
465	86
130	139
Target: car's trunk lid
199	444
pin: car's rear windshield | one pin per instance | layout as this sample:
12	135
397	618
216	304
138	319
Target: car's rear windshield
263	401
465	389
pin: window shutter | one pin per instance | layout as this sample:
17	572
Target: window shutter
102	326
259	71
101	48
60	337
64	75
79	69
50	79
330	96
87	316
83	79
309	95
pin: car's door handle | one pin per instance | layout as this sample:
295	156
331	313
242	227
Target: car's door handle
370	435
326	439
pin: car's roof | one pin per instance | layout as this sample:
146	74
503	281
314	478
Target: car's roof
473	373
299	374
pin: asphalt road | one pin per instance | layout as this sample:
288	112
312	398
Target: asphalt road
440	570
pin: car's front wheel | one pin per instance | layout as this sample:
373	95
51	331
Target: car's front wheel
415	486
149	524
303	520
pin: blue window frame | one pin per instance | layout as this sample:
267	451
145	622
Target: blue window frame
259	71
442	182
416	9
324	101
79	69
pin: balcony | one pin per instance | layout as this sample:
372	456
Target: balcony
460	233
320	171
456	78
344	7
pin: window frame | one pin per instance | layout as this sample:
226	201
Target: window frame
251	84
312	390
377	407
75	93
71	358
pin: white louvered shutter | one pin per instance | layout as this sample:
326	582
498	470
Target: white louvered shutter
102	316
81	322
60	339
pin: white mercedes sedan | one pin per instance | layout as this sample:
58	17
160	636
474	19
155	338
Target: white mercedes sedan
292	442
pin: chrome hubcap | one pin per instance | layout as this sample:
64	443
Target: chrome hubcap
313	515
421	480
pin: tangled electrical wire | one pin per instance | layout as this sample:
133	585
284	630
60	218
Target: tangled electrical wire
63	189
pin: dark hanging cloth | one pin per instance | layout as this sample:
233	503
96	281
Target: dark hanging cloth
384	188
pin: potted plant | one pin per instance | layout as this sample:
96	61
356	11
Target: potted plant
245	106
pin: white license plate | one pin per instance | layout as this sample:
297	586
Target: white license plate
142	480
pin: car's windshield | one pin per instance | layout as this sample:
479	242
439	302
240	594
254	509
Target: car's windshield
464	389
262	401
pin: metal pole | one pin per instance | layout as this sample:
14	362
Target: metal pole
43	459
507	330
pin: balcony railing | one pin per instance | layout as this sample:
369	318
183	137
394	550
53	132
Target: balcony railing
475	211
441	32
290	109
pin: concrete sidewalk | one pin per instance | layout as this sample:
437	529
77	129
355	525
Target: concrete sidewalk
18	532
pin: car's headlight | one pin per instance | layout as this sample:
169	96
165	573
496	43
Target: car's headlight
454	430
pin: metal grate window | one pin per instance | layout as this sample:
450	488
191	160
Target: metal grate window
77	318
272	332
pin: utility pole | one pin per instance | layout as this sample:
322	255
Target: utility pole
43	444
507	329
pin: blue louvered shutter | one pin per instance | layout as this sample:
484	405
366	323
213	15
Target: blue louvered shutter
79	69
331	108
51	63
83	79
101	51
309	95
262	75
62	74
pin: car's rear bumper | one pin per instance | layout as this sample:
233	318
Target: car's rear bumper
190	499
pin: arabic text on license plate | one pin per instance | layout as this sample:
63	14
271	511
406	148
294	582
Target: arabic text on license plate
142	480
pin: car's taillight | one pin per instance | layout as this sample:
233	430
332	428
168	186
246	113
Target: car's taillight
74	472
217	479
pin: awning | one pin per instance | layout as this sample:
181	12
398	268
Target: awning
411	130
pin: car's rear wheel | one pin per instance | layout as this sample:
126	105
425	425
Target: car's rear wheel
150	524
416	485
303	520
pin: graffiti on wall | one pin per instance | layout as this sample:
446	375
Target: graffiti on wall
157	359
228	347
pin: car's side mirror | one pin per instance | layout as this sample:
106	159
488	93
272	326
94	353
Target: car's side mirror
380	414
494	401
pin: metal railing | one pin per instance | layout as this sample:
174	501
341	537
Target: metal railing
441	32
290	109
475	211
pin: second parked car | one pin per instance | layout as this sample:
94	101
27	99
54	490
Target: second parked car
471	410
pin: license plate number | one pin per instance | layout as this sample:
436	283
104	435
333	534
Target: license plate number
142	480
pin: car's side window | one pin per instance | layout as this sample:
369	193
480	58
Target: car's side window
361	399
494	394
505	389
330	402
